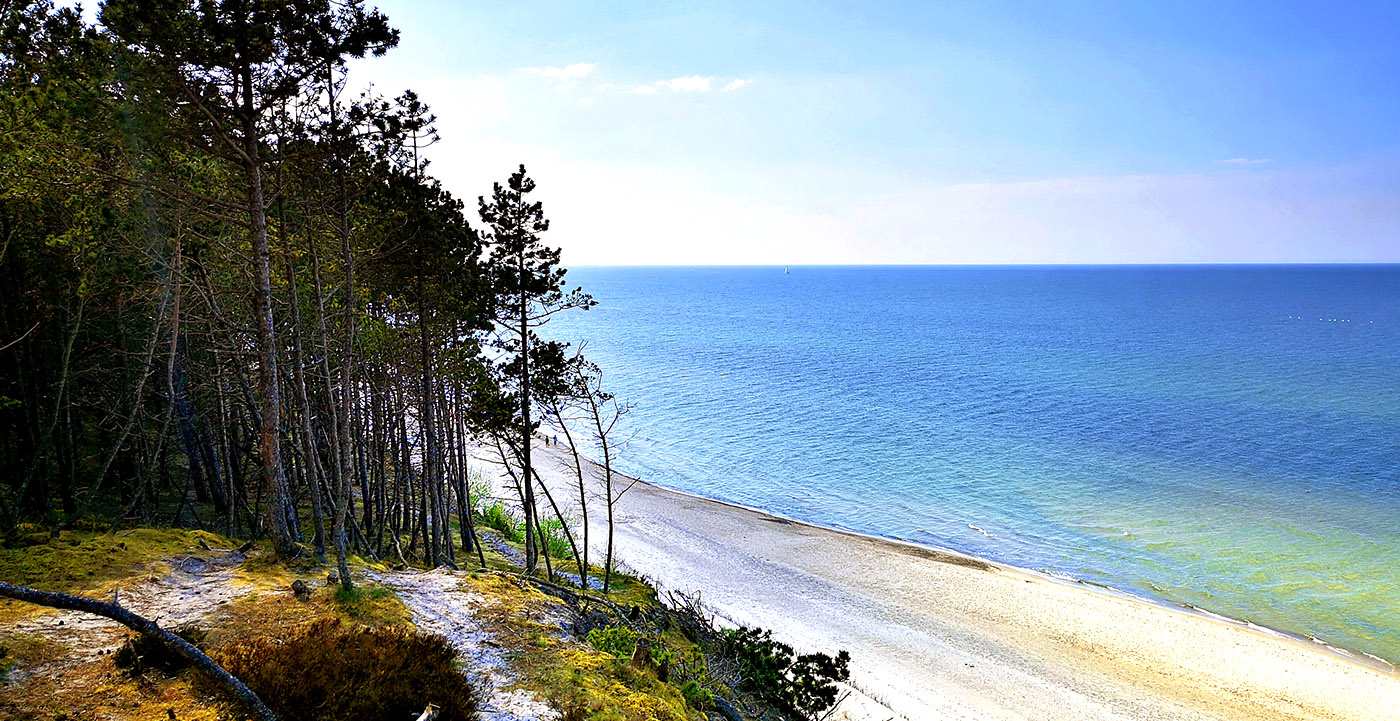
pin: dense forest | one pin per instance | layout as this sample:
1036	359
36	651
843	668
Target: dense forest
235	299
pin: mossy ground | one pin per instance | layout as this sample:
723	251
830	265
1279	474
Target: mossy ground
78	561
47	681
578	680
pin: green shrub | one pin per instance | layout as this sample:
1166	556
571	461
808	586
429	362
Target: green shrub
696	696
329	671
688	664
619	642
804	685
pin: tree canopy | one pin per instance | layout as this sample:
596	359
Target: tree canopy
236	298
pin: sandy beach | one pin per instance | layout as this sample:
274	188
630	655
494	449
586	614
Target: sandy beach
938	635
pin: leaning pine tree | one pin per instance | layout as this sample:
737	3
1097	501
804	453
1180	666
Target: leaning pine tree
529	287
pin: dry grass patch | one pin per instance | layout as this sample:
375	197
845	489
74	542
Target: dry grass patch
329	670
99	690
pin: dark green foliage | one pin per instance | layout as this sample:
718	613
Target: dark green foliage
697	696
141	653
331	672
687	664
802	685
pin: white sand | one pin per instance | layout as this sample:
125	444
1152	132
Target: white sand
934	635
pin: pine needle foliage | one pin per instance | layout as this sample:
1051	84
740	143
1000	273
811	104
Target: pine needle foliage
802	685
330	671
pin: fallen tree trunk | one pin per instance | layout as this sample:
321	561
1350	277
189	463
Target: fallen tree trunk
572	596
149	628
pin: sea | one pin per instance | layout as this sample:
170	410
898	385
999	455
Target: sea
1223	438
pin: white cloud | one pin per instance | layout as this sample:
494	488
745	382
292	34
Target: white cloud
736	84
836	215
1247	161
689	84
686	84
566	73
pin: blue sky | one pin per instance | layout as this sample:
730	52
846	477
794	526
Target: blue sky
950	132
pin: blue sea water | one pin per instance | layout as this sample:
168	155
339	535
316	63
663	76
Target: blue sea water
1221	436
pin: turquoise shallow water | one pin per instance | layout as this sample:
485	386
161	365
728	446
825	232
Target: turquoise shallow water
1225	437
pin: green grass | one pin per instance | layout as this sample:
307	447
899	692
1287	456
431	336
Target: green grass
479	488
555	541
503	519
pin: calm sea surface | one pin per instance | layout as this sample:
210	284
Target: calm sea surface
1225	437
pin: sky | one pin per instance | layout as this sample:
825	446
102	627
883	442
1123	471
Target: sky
783	133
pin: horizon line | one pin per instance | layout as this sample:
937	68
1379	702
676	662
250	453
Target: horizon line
1145	264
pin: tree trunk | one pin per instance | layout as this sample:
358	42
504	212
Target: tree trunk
526	436
346	387
428	432
273	480
582	494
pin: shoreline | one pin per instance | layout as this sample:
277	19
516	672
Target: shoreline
1350	655
937	633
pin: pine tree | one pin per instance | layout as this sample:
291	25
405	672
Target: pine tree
529	287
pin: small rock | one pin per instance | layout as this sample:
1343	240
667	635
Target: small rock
332	578
300	588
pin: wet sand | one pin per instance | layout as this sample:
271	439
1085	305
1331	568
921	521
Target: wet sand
938	635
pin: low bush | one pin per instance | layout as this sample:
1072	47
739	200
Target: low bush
618	642
479	489
696	696
141	653
804	685
329	671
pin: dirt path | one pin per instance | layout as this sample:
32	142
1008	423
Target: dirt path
439	605
193	591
